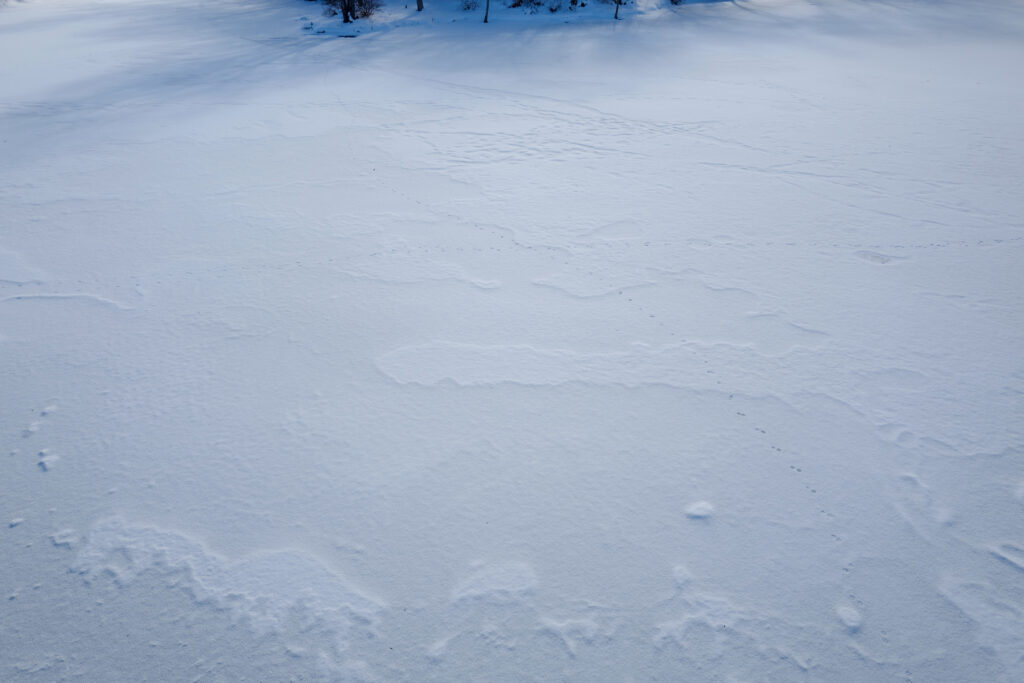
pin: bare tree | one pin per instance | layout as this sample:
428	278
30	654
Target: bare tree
347	8
487	10
419	5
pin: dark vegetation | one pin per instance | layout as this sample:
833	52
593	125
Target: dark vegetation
350	10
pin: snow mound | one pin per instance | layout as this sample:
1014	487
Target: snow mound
502	582
264	589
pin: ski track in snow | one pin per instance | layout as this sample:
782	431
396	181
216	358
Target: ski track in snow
685	347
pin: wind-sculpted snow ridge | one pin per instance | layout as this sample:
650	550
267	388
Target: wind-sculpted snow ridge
268	591
999	622
683	636
690	365
723	366
502	582
73	296
408	270
743	644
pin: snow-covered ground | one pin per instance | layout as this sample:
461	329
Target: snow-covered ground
684	348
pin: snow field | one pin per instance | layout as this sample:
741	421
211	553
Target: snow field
685	347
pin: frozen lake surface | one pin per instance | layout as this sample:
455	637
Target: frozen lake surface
685	348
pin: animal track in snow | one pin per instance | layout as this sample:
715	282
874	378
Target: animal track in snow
47	460
899	434
65	538
35	425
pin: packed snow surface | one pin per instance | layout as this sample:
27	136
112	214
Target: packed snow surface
688	347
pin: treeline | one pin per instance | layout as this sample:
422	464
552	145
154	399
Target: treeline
350	10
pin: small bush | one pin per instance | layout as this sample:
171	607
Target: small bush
469	5
532	5
555	5
361	9
367	8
